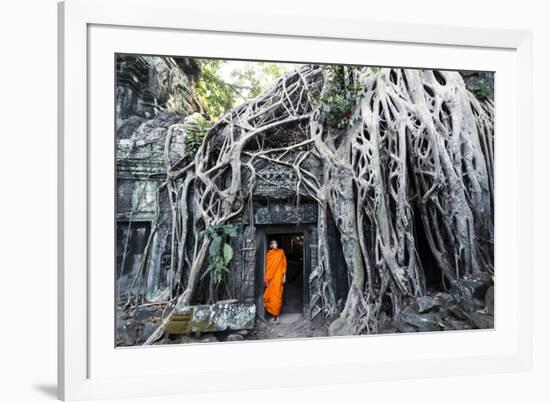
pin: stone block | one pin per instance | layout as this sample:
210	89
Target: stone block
211	318
426	304
482	321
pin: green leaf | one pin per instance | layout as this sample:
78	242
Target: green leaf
227	253
230	230
215	246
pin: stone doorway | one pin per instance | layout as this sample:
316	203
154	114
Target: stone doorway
293	295
131	238
294	240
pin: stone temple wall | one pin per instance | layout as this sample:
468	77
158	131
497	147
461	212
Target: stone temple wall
153	94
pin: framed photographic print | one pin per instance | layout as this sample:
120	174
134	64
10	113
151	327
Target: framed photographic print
346	199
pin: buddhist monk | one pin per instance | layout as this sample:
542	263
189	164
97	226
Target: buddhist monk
274	279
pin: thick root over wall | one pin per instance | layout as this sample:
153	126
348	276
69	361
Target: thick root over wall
417	147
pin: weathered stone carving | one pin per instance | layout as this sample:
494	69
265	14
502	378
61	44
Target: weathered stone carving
281	213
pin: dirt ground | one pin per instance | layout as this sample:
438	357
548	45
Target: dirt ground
290	325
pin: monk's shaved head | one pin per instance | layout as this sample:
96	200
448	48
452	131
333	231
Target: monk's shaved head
273	244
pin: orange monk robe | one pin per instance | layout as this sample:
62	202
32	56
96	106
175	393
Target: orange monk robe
275	269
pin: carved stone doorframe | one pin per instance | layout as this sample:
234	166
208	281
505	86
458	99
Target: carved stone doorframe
309	232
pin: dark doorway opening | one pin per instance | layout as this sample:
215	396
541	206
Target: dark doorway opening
131	239
295	240
432	272
293	246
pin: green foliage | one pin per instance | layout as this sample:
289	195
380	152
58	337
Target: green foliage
337	105
338	109
196	131
271	70
215	93
252	80
221	92
246	82
483	90
220	251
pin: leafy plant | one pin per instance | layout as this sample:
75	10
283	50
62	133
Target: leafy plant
196	131
483	90
220	251
337	106
214	91
221	89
